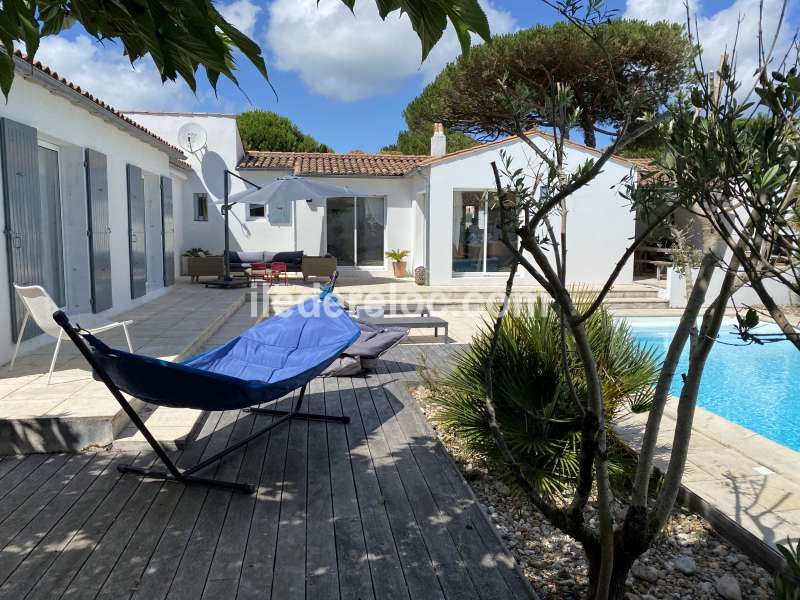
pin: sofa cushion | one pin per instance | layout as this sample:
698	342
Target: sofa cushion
290	258
247	257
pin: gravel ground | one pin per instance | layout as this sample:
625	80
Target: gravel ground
688	561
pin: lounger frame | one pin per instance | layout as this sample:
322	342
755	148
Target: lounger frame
173	472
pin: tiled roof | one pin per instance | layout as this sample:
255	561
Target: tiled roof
107	107
649	171
180	164
643	165
430	160
380	165
318	163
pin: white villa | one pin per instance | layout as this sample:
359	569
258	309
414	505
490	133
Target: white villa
98	205
435	206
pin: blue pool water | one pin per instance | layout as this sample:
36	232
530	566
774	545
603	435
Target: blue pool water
757	387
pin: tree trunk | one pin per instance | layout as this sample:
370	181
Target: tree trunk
587	124
623	561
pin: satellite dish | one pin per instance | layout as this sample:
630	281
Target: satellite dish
191	137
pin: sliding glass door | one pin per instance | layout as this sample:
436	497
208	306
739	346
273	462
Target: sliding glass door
341	215
477	237
355	231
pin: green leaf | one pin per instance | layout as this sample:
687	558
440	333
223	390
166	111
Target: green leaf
184	36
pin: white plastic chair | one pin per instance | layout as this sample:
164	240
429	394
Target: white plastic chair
40	307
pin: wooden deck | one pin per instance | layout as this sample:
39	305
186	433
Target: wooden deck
374	509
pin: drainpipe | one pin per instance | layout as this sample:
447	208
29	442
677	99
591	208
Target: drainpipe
421	172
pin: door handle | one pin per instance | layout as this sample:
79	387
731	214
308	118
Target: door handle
16	241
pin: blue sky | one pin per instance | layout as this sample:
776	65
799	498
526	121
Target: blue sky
345	79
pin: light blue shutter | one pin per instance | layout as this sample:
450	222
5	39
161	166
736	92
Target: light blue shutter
99	231
23	214
168	231
136	232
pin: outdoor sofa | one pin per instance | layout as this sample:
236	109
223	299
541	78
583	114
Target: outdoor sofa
296	262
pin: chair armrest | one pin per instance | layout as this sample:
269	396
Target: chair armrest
103	328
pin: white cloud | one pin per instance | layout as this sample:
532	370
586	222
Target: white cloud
718	31
107	74
658	10
242	14
349	57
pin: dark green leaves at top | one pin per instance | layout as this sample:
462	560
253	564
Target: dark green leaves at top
183	36
429	19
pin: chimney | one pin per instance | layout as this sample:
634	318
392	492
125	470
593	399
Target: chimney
438	141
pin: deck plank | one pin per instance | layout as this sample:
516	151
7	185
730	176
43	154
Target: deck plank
388	578
127	574
322	573
371	510
355	575
190	578
469	527
226	566
29	510
26	479
256	579
73	556
420	553
8	464
289	577
157	577
39	544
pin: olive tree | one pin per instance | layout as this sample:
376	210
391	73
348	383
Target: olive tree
739	178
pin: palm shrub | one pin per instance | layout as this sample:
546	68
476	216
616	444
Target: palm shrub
787	583
535	408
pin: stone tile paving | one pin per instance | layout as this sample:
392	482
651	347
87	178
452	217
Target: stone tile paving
164	327
172	426
751	479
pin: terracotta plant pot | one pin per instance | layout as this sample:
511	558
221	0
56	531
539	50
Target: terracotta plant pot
399	267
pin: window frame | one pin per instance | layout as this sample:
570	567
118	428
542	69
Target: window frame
196	197
251	216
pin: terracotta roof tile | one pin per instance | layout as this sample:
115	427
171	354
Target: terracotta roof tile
430	160
377	165
107	107
318	163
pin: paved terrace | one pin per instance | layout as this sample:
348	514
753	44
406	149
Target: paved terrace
746	485
371	510
76	411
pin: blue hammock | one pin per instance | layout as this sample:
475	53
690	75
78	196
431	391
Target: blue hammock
265	363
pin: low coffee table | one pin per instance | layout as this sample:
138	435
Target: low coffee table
411	322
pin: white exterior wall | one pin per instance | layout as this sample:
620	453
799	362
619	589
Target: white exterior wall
306	231
600	223
223	150
68	125
675	291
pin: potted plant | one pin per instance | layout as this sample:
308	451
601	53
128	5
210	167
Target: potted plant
399	261
199	263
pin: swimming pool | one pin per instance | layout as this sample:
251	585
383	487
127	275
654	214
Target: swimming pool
757	387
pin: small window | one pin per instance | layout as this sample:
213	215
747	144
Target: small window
256	211
201	207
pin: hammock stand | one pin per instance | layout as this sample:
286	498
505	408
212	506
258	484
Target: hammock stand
123	371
